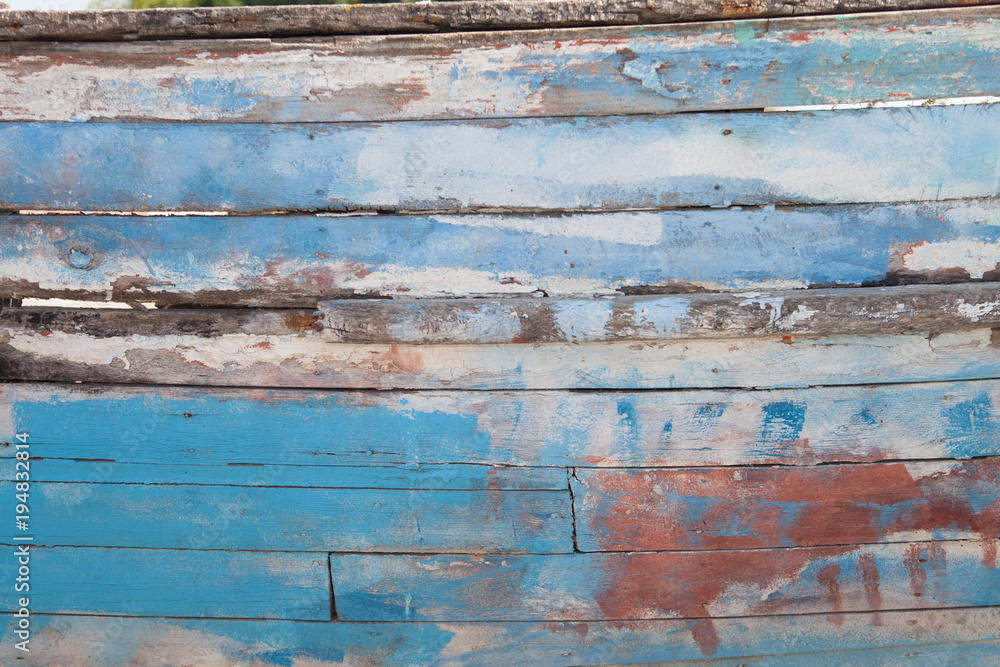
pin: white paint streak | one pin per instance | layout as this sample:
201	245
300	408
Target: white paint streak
976	257
639	228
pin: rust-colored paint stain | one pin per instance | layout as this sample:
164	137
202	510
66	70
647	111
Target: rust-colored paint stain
764	507
829	578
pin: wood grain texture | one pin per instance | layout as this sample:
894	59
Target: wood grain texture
965	653
691	585
275	430
295	519
153	582
71	640
751	508
299	260
232	22
716	66
477	321
605	163
306	360
430	477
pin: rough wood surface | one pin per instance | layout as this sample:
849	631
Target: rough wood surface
189	583
232	22
306	360
299	260
456	477
717	66
71	640
172	516
597	163
272	431
926	308
693	585
750	508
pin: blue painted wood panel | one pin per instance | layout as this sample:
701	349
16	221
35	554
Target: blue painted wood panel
294	519
316	475
268	428
154	582
120	641
700	584
873	155
300	259
651	69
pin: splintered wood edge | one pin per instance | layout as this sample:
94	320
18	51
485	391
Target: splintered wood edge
402	18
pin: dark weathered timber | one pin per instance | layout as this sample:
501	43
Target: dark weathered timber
801	312
207	323
321	20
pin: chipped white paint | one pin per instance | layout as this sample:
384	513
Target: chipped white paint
796	317
976	257
309	361
631	228
975	311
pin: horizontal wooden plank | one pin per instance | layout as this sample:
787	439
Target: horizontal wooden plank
318	475
750	508
691	585
294	519
229	22
598	71
299	260
601	163
57	640
478	321
965	653
153	582
306	360
214	427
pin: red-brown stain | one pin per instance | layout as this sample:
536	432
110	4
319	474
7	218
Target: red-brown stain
920	558
744	508
263	345
657	585
870	578
303	322
398	359
829	578
757	508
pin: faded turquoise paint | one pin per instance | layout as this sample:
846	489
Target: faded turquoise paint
153	582
602	163
120	642
278	429
295	519
430	477
302	259
653	69
666	585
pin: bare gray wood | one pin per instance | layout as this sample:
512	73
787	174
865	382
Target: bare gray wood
402	18
803	312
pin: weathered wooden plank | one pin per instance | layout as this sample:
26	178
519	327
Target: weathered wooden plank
742	65
299	260
230	22
61	640
478	321
966	653
154	582
306	360
271	428
430	477
691	585
295	519
859	156
750	508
